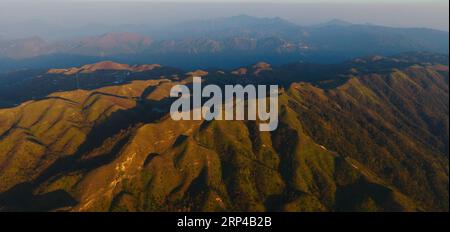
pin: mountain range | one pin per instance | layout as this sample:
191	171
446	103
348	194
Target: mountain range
223	43
367	134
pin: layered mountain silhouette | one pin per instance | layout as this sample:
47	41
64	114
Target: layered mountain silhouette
369	134
237	40
103	45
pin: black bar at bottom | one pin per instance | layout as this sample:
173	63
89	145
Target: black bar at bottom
226	221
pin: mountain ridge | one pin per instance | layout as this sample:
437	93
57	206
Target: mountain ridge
375	140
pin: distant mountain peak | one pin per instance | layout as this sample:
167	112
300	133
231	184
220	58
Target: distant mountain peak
243	16
247	20
336	22
124	36
114	38
240	72
197	73
104	65
110	44
261	67
249	17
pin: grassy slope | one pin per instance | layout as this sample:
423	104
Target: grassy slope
36	133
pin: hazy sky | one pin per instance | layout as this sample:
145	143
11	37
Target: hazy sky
25	16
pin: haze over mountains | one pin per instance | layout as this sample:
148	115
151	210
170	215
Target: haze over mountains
64	19
225	43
